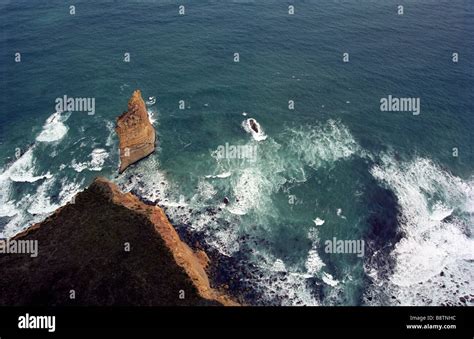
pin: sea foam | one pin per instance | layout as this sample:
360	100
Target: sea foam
23	169
98	157
433	260
54	128
322	144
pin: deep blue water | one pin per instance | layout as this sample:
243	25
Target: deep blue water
388	178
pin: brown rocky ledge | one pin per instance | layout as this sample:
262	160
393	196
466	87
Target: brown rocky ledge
135	132
82	248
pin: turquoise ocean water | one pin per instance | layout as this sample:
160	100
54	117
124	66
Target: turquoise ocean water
335	166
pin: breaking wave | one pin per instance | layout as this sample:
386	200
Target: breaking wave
434	258
34	203
23	169
98	157
54	129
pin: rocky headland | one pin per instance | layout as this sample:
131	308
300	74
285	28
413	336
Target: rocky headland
107	248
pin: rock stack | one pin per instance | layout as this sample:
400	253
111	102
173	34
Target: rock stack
135	132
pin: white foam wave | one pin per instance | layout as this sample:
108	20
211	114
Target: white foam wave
432	242
205	192
41	204
79	167
314	264
251	184
329	279
151	101
279	266
34	208
16	223
23	169
339	213
318	222
98	157
219	176
69	189
253	190
319	145
54	128
151	116
111	128
7	206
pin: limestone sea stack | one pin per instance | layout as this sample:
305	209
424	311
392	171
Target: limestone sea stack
107	248
135	132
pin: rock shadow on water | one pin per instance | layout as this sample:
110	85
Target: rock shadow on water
383	233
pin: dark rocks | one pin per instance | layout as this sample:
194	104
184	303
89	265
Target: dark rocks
254	126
